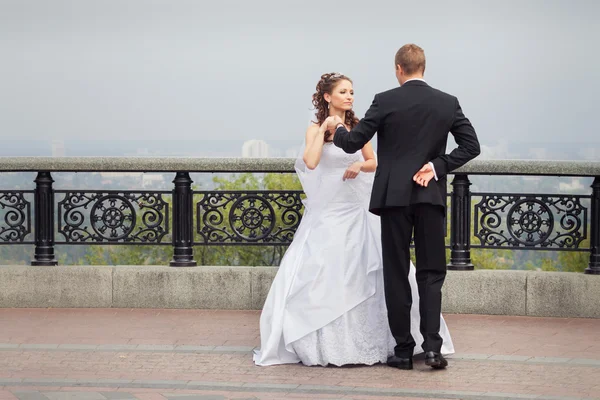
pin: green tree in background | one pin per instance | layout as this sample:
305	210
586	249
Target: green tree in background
574	261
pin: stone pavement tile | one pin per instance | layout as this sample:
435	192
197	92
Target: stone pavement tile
353	397
188	348
206	397
550	359
189	396
114	395
509	358
7	395
206	384
155	347
140	390
504	395
464	355
89	340
8	381
149	396
242	349
117	347
74	395
72	346
231	397
38	346
156	383
152	341
49	381
21	388
29	395
99	389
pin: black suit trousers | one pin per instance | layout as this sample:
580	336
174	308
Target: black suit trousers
397	224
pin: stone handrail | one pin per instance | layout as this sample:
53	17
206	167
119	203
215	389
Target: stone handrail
188	164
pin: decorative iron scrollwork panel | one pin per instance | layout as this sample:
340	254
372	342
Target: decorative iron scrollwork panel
531	221
15	216
241	217
113	217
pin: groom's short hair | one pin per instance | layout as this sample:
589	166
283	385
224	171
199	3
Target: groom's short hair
411	58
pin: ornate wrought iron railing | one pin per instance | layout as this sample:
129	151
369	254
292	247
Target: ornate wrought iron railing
184	218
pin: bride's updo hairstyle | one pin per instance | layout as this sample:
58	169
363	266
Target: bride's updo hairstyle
326	84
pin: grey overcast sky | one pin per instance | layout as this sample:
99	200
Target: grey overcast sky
524	70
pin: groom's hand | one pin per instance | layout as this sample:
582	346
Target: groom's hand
424	175
331	125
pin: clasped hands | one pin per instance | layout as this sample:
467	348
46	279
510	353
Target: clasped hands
330	124
424	175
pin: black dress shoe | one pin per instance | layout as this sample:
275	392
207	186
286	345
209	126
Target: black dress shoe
400	362
435	360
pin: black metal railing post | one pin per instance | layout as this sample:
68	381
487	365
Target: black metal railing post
44	220
594	265
460	225
183	235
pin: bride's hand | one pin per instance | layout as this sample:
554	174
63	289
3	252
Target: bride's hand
324	128
352	171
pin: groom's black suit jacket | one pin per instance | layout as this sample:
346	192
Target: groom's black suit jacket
412	123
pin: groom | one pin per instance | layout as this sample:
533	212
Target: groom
409	192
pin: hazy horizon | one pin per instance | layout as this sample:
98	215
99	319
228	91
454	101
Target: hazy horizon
116	71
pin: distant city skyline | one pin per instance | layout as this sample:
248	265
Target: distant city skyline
255	148
276	148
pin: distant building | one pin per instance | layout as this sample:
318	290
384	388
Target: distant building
58	148
255	149
575	186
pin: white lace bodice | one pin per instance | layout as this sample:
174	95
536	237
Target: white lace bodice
333	158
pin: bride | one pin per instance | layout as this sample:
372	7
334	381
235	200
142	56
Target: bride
326	304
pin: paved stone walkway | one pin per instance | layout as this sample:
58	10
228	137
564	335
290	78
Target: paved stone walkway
113	354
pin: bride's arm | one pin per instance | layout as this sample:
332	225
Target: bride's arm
315	137
370	164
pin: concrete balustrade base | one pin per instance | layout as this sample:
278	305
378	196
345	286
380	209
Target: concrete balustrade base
531	293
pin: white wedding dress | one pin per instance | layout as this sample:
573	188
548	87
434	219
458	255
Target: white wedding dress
326	304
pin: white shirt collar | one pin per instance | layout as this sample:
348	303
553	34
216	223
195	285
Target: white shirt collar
415	79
